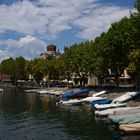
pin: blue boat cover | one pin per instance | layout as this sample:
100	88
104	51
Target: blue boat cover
74	93
101	102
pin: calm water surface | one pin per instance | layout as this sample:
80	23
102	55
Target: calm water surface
25	116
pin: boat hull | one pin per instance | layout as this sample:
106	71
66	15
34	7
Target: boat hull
106	101
75	94
130	128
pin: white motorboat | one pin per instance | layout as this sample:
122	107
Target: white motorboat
91	99
132	110
56	93
122	116
112	111
44	92
71	102
125	97
106	106
99	93
130	128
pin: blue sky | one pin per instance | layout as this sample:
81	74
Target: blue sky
28	26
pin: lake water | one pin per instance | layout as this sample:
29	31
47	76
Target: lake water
24	116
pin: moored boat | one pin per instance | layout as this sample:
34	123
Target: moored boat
91	99
110	111
87	99
44	92
56	93
127	119
106	106
130	128
32	90
71	102
75	94
123	116
126	97
99	93
101	102
130	111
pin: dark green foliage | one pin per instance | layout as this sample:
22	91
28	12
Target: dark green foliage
8	67
138	5
14	68
134	66
20	72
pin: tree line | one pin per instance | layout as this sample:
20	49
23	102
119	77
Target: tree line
117	49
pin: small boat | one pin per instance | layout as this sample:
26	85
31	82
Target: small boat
91	99
126	97
31	90
123	116
71	102
132	110
75	94
106	106
78	101
99	93
130	128
105	101
56	93
44	92
127	119
110	111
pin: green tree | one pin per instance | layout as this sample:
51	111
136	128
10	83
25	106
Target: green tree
39	69
20	71
138	5
29	67
134	66
56	69
76	62
118	43
99	60
8	67
135	24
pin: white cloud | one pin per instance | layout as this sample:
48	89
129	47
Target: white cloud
29	47
27	39
48	18
101	19
4	55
